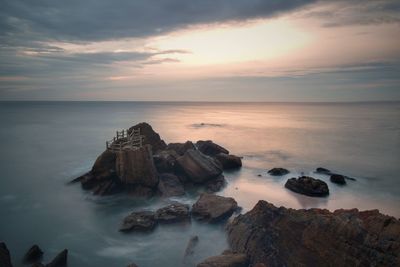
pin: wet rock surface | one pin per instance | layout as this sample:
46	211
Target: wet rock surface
226	259
278	171
229	162
139	221
175	212
286	237
308	186
210	148
212	208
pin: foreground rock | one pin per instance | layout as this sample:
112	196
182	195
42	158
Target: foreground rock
286	237
278	171
5	258
139	221
338	179
227	259
170	185
33	255
175	212
308	186
229	162
210	148
212	208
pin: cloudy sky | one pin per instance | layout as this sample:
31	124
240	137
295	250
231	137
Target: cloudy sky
208	50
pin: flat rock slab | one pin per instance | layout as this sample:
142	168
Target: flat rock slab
278	171
226	260
174	212
212	208
139	221
308	186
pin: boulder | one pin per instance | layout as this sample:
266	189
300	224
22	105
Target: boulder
337	179
278	171
60	260
180	148
165	161
212	208
229	161
216	184
33	255
198	167
150	136
210	148
136	167
174	212
308	186
287	237
170	185
5	258
139	221
226	259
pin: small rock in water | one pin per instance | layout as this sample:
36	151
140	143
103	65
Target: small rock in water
229	162
60	260
278	171
338	179
308	186
212	208
173	213
190	247
139	221
322	170
33	255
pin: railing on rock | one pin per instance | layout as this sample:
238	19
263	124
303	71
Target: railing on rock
125	140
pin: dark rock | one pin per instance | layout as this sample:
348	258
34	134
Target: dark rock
189	251
165	161
132	265
287	237
322	170
170	185
210	148
216	184
212	208
104	166
328	172
140	191
150	136
181	148
60	260
139	221
175	212
227	259
308	186
337	179
198	167
107	187
5	258
229	161
136	167
34	254
278	171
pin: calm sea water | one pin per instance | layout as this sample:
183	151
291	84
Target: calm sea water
46	144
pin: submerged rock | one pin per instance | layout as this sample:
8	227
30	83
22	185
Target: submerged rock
189	251
180	148
33	255
170	185
139	221
175	212
5	258
287	237
337	179
212	208
150	136
60	260
226	259
278	171
210	148
308	186
229	161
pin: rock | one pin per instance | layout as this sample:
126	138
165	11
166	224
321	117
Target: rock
229	161
210	148
139	221
322	170
287	237
38	264
33	255
181	148
136	167
308	186
212	208
173	213
278	171
198	167
170	185
328	172
216	184
150	136
227	259
5	258
132	265
60	260
141	191
165	161
104	166
190	247
338	179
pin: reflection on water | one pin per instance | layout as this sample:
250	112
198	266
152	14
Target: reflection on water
44	145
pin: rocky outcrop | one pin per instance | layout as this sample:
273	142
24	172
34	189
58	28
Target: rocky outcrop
60	260
175	212
5	258
150	136
198	167
212	208
170	185
180	148
165	161
338	179
226	259
278	171
308	186
286	237
229	161
33	255
139	221
210	148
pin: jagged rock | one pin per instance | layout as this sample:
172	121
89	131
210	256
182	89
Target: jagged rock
288	237
33	255
229	161
226	259
216	184
150	136
139	221
278	171
181	148
60	260
170	185
337	179
210	148
136	167
308	186
5	258
198	167
212	208
165	161
174	212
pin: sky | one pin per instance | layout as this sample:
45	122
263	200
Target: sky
208	50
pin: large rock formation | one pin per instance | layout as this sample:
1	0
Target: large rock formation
150	136
210	148
226	259
5	258
308	186
212	208
279	237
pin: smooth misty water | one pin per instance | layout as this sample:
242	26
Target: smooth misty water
45	145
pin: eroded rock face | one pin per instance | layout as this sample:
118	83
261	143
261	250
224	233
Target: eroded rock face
286	237
181	148
198	167
210	148
5	258
150	136
60	260
229	161
308	186
278	171
139	221
170	185
212	208
175	212
34	254
226	259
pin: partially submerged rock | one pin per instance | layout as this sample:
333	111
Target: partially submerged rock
139	221
189	251
328	172
60	260
175	212
210	148
308	186
338	179
170	185
33	255
278	171
286	237
150	136
226	259
5	258
212	208
216	184
229	161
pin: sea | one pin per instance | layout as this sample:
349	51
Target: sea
44	145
